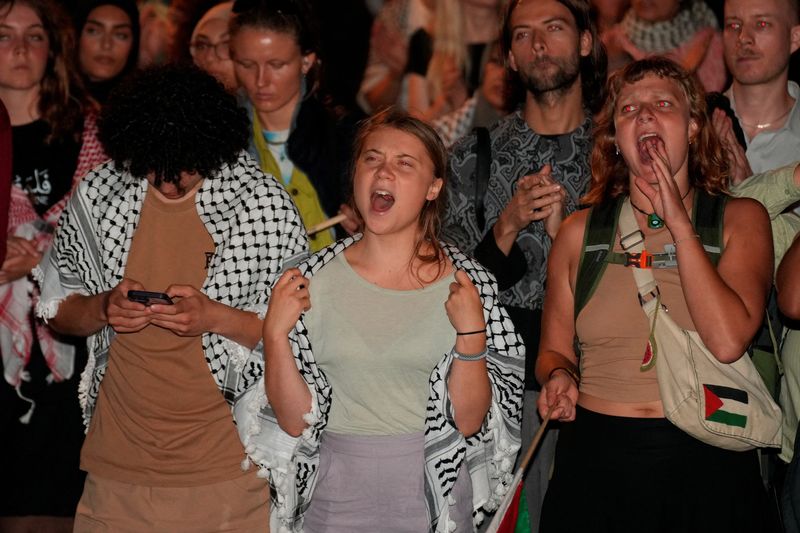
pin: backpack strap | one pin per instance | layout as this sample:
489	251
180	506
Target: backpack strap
600	234
709	215
598	242
483	163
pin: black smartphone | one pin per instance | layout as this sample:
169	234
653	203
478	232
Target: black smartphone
149	298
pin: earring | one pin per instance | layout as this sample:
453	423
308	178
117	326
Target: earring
616	148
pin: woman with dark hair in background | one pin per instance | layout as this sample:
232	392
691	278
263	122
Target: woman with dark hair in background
108	43
54	144
274	45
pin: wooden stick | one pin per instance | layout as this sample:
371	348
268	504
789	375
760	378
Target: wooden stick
326	224
509	497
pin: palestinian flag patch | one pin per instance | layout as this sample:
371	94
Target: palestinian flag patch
726	405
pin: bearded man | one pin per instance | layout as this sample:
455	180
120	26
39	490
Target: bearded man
538	168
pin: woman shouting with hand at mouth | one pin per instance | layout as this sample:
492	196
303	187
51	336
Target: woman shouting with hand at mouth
656	163
404	414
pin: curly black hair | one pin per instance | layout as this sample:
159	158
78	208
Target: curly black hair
171	119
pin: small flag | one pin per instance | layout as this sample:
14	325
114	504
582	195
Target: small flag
516	519
726	405
512	514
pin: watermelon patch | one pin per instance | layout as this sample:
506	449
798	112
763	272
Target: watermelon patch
649	357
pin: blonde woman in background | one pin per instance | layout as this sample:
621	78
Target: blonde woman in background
443	67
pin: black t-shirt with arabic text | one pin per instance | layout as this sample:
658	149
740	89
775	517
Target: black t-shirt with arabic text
42	170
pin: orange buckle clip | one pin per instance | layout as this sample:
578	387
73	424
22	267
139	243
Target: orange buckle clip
639	260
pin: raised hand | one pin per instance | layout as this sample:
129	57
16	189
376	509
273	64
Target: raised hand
537	197
533	200
463	305
666	199
740	167
290	298
553	221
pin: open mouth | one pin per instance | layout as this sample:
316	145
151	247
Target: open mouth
644	140
382	201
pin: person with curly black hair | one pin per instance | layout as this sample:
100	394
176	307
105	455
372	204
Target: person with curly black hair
108	35
177	138
183	211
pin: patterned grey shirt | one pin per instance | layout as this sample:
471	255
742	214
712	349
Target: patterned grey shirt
516	151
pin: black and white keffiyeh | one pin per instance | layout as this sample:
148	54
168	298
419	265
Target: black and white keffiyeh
256	232
663	36
292	463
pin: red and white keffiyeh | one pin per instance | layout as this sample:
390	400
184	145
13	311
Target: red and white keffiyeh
19	297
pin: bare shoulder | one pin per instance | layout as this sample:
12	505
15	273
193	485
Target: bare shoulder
745	215
737	206
573	227
747	235
568	243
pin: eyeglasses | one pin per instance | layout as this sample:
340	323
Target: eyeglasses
221	49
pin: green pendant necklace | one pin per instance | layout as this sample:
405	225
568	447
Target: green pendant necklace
653	220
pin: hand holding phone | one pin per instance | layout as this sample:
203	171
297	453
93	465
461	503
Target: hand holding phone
149	298
193	313
123	314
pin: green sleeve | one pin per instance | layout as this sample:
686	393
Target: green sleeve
775	189
784	229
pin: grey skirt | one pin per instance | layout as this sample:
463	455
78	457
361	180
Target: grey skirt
375	484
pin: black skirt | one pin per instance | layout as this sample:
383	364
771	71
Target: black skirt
617	475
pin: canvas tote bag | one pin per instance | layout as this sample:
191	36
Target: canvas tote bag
723	404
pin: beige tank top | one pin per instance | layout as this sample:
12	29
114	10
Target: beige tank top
613	330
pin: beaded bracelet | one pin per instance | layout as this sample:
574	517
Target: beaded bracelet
462	357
